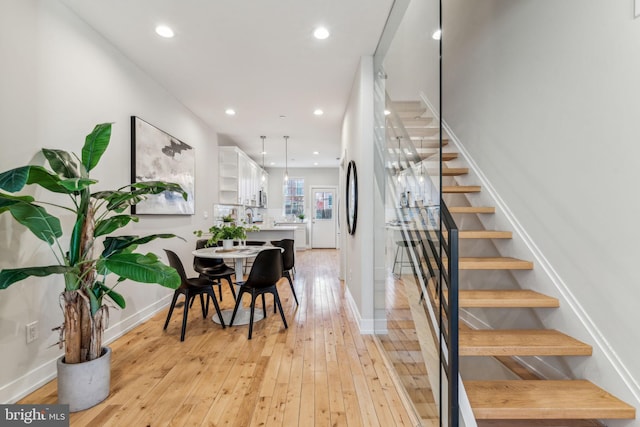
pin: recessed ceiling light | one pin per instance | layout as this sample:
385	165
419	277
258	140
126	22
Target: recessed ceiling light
272	163
315	164
387	112
321	33
164	31
230	112
282	116
316	153
437	34
318	112
263	152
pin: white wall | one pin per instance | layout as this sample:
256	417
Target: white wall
545	96
312	177
59	78
357	141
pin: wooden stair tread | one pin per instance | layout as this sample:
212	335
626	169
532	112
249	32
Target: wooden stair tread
449	156
416	121
483	234
427	143
539	423
453	171
471	209
494	263
516	298
520	342
530	399
422	131
461	189
408	105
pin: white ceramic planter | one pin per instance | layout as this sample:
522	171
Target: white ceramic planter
227	244
83	385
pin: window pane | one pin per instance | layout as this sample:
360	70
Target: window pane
294	196
324	205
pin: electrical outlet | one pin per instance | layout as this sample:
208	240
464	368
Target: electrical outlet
32	332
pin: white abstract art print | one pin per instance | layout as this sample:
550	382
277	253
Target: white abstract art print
158	156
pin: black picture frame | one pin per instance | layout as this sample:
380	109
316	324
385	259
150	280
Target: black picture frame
158	156
352	197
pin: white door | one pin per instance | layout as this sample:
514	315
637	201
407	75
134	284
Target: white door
323	217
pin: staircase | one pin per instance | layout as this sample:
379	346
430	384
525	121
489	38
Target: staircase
531	400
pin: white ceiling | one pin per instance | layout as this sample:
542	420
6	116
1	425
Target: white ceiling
258	57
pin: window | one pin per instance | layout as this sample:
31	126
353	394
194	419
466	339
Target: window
324	205
294	196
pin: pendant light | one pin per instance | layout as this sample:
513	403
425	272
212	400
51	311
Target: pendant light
286	154
263	153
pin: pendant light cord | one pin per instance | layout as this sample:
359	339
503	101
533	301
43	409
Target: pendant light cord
286	160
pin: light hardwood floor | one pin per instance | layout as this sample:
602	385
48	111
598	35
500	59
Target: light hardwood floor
319	372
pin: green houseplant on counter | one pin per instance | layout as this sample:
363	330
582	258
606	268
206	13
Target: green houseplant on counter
84	267
227	232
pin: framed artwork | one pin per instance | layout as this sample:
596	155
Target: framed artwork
158	156
352	197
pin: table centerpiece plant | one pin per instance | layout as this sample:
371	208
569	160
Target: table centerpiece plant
227	232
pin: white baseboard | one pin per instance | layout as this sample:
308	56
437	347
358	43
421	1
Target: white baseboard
366	326
39	376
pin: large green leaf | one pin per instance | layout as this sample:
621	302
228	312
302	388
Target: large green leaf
116	297
11	276
118	243
43	225
77	184
62	163
109	225
44	178
157	187
7	200
76	239
82	215
141	268
15	179
118	200
95	145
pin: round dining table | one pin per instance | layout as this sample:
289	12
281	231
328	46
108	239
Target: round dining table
238	254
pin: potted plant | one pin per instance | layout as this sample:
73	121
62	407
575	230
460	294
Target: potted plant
84	268
227	233
301	217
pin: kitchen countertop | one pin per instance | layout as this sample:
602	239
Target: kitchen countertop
277	228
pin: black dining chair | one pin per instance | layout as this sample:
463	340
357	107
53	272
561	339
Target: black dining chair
190	287
213	269
249	262
263	277
288	261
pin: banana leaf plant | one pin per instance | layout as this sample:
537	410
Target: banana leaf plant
97	215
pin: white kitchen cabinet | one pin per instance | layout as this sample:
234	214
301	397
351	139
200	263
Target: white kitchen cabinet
229	172
301	240
240	178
